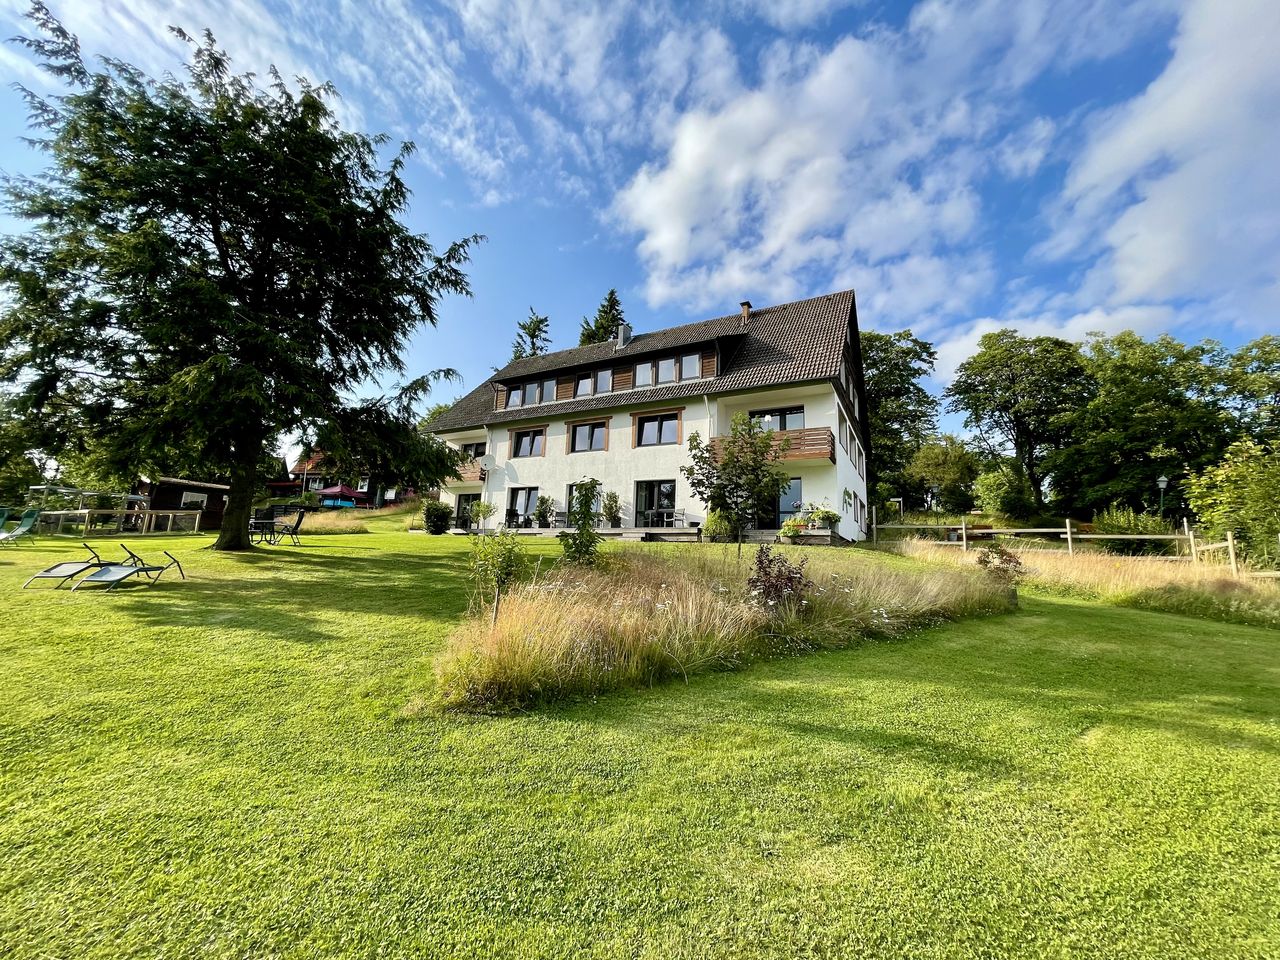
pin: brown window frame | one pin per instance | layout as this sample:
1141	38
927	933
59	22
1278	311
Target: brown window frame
638	415
511	441
570	425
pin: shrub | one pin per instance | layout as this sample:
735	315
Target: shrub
776	582
497	562
793	527
582	543
436	516
823	516
1242	494
1000	563
718	526
1005	492
309	499
611	508
1126	520
543	509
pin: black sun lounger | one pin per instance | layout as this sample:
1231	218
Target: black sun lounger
114	574
62	572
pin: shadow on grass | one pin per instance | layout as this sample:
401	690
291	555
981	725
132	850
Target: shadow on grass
294	596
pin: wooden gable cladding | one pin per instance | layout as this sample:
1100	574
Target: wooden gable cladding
500	398
564	388
709	362
624	377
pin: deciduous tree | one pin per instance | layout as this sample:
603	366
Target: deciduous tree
1017	393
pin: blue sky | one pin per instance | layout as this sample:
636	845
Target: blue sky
1055	166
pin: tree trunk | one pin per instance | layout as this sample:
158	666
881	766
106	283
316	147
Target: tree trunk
234	534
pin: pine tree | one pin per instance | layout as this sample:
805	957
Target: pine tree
605	325
533	336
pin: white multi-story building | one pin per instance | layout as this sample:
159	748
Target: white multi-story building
622	413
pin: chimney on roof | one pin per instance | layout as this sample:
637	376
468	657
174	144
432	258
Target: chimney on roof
624	335
746	311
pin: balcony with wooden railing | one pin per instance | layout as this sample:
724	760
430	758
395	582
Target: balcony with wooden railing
471	472
809	443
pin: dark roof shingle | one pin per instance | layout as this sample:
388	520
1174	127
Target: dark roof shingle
789	343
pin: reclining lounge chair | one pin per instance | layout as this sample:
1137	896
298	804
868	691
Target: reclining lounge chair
62	572
285	528
114	574
24	528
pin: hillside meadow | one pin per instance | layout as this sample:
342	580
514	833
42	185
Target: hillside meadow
246	764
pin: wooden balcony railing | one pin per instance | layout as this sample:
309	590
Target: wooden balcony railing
810	443
471	471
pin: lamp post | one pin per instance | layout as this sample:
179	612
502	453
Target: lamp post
1162	481
933	491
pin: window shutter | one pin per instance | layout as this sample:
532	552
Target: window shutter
500	398
709	362
564	388
622	377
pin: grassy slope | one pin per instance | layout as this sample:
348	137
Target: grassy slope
226	768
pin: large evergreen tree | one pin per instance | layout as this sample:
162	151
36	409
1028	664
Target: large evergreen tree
604	326
209	260
533	336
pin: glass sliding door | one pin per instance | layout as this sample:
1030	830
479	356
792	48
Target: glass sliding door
520	504
462	515
655	502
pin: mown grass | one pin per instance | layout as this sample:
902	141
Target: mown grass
226	768
655	615
1199	590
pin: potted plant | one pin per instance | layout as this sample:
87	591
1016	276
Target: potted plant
718	529
820	517
792	527
543	510
611	508
481	511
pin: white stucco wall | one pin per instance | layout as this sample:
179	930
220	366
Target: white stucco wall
620	466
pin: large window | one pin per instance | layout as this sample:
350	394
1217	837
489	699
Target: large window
520	504
604	381
658	429
667	370
515	397
787	418
644	374
583	387
548	390
528	443
655	503
588	436
690	366
474	450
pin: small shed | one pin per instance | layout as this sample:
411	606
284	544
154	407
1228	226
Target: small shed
178	493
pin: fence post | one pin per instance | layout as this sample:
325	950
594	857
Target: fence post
1191	540
1071	547
1231	552
964	536
1195	551
198	516
875	524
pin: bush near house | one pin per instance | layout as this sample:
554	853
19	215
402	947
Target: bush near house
436	516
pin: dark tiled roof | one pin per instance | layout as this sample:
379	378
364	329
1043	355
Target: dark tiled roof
790	343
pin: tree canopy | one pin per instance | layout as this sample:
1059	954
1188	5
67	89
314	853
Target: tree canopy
1018	394
741	477
208	260
603	327
901	413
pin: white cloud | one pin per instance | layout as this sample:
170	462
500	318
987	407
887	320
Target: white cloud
1174	191
1021	153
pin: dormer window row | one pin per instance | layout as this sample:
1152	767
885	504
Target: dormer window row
657	372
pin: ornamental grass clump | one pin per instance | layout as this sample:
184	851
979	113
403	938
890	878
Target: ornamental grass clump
655	615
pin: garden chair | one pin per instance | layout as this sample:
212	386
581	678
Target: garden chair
25	528
62	572
114	574
289	530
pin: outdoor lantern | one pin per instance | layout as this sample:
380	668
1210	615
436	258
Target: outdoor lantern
1162	481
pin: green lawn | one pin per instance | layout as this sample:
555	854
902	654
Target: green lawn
233	767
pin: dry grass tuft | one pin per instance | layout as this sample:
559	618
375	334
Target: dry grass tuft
337	521
658	615
1205	590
